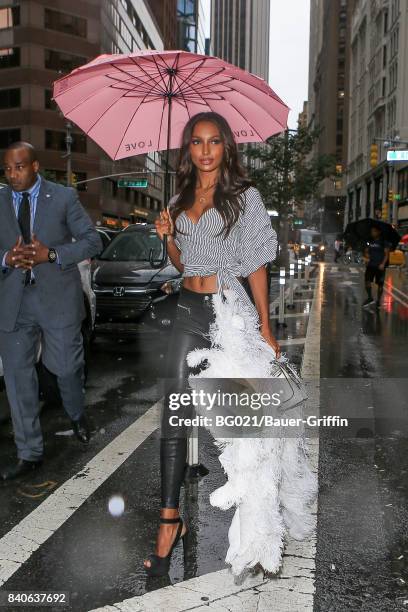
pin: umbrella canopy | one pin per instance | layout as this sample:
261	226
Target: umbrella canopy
139	103
358	233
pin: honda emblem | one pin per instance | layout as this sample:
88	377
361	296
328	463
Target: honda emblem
119	291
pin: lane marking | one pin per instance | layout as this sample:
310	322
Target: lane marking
395	297
397	290
298	300
291	341
24	539
291	315
218	591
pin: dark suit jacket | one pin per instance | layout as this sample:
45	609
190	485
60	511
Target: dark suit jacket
59	218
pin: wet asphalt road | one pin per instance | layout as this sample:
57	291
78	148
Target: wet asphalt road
362	535
362	547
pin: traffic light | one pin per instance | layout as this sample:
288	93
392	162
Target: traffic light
390	195
374	155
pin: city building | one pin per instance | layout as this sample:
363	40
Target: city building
40	42
329	57
303	116
191	35
165	14
240	34
378	117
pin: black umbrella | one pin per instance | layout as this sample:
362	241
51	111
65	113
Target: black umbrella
357	234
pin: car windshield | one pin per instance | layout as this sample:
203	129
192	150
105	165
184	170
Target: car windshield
311	238
133	246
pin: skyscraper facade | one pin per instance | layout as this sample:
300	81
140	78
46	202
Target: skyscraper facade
329	59
378	114
240	33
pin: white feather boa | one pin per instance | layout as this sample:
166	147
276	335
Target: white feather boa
269	480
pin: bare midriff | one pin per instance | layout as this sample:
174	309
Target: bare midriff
201	284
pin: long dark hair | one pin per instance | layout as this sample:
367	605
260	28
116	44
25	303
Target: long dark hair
232	177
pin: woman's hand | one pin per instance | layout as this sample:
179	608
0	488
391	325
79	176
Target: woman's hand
164	224
271	340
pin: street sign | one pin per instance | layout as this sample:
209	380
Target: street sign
297	221
397	155
132	183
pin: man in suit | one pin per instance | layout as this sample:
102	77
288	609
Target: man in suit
41	298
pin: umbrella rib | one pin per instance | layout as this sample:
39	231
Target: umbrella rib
175	66
117	82
94	93
194	71
249	123
198	94
158	69
124	133
206	77
185	102
151	77
161	122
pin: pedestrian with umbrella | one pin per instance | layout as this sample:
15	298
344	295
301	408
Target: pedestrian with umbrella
218	233
377	239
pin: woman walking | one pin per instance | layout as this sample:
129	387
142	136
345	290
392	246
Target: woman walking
218	233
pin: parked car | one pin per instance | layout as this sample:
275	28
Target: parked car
106	234
128	289
48	385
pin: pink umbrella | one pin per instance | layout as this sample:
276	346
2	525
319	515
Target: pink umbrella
137	103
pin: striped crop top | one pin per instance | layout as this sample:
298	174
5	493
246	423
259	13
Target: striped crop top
250	244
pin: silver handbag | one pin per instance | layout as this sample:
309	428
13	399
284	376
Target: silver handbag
292	388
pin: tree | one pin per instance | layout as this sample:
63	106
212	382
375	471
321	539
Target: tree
287	173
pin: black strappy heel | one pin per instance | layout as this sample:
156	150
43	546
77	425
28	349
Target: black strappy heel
159	566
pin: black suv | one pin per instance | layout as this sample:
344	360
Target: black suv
128	289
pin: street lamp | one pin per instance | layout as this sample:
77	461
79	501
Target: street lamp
68	144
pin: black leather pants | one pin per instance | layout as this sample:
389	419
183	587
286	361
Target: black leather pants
194	315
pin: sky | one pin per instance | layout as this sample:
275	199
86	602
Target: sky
288	51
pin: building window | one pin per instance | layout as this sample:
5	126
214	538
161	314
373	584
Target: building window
56	140
48	101
7	137
368	200
62	62
10	98
9	17
60	176
9	57
69	24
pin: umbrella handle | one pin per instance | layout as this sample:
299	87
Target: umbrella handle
156	264
159	263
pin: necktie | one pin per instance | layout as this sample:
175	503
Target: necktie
24	221
24	218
